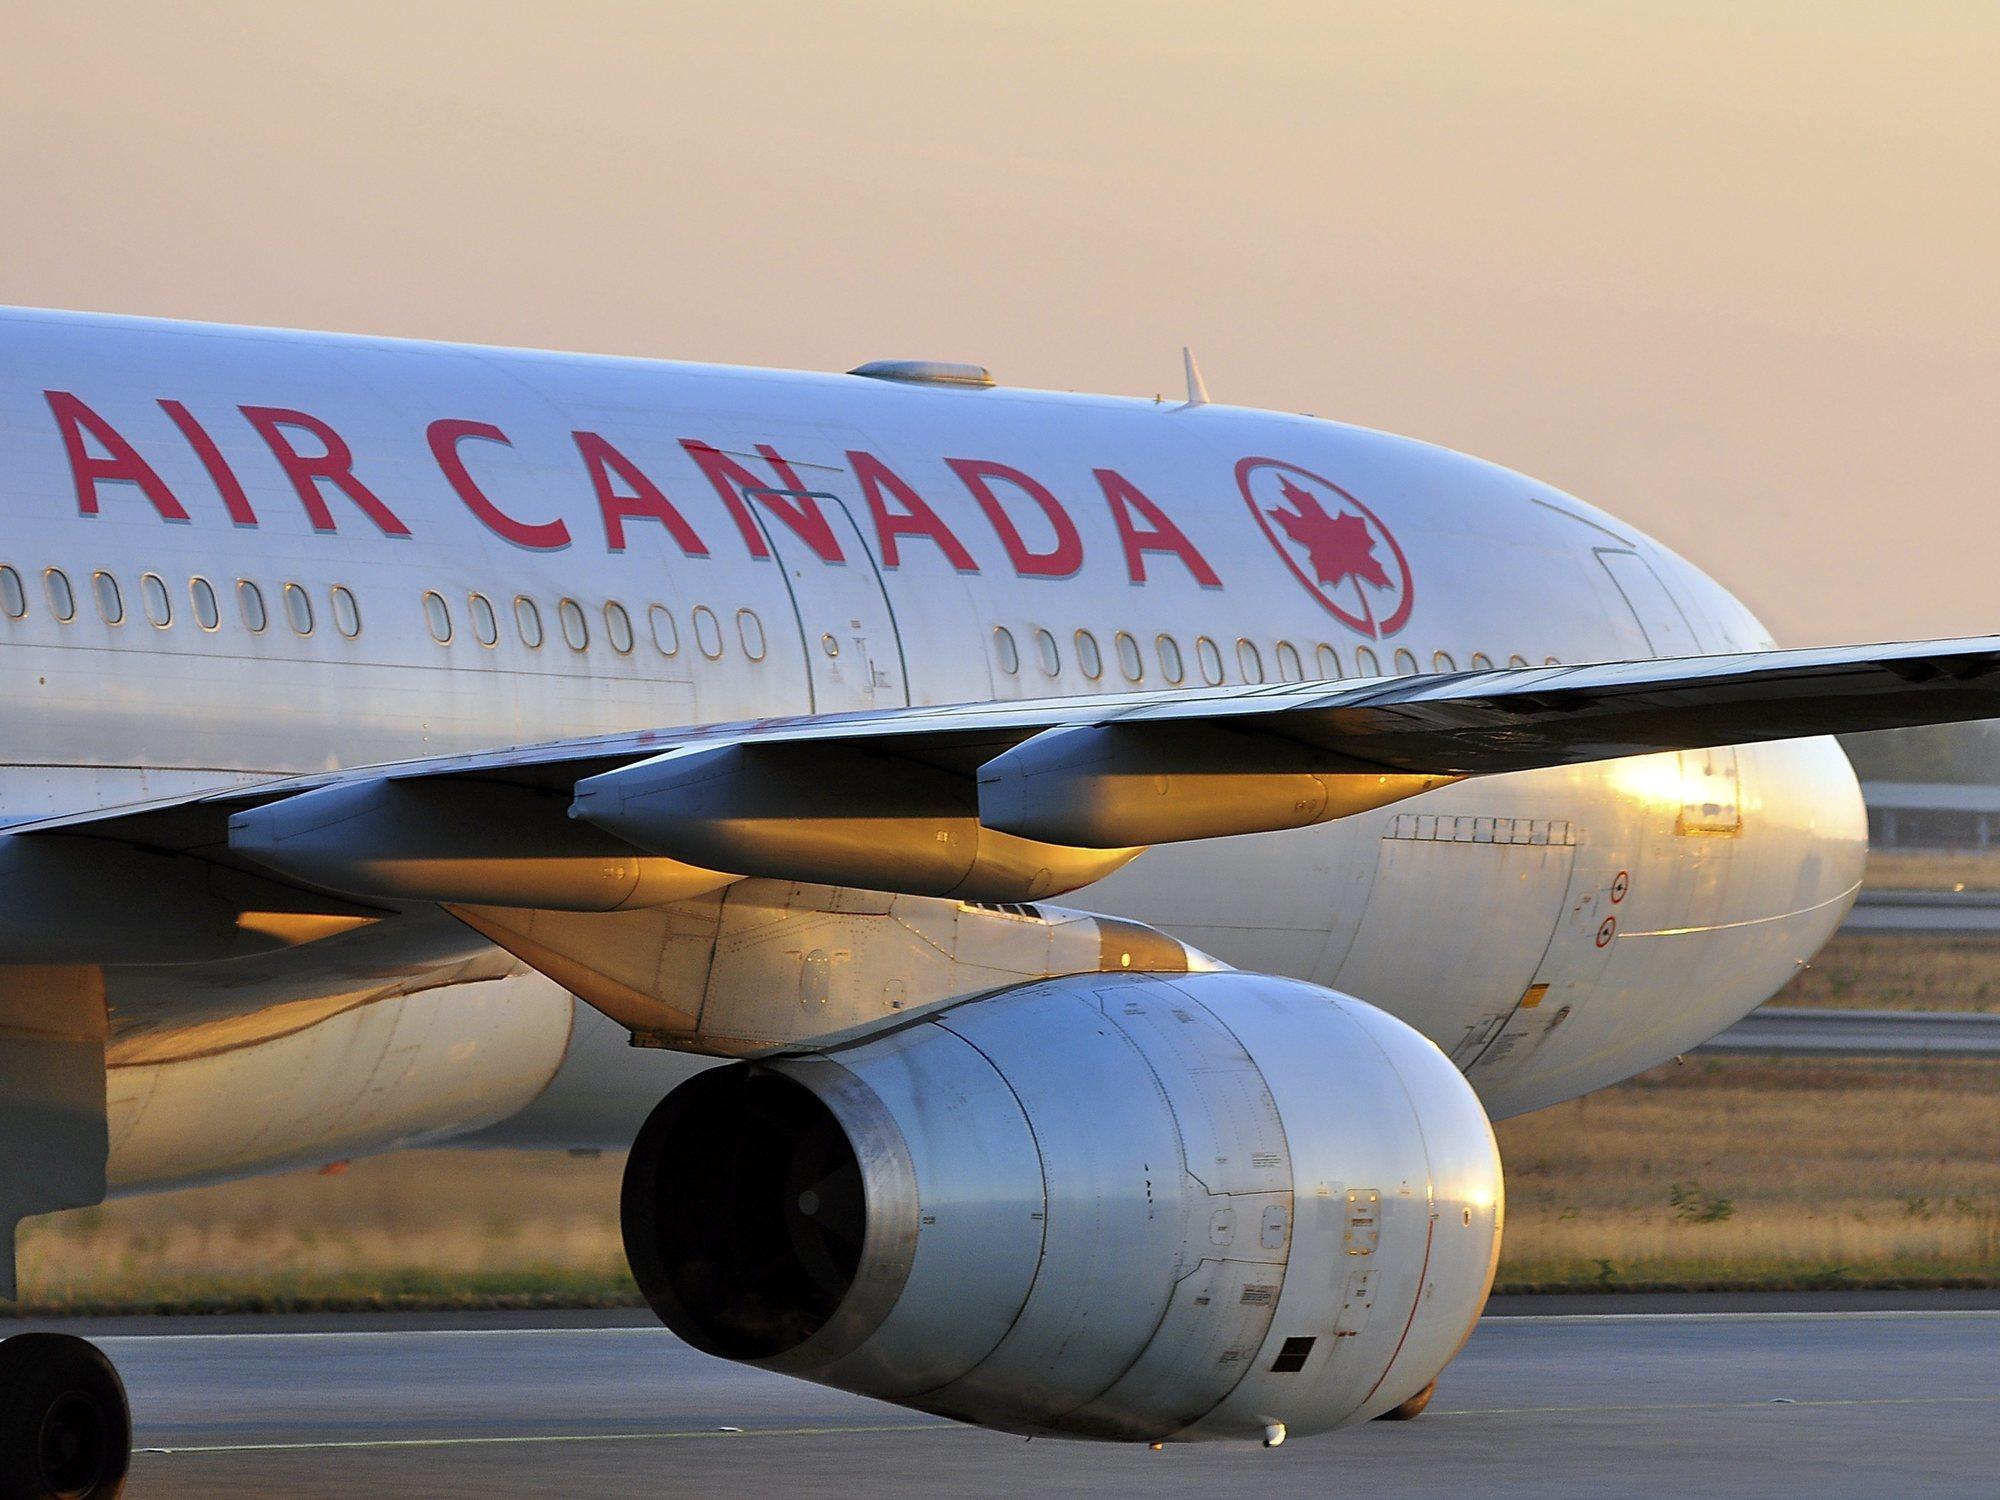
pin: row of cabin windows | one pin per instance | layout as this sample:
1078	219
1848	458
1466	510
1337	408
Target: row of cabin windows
156	601
1288	660
573	625
483	620
575	628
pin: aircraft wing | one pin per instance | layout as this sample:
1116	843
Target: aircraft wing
994	802
1019	764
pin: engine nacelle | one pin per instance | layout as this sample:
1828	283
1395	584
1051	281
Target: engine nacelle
1140	1207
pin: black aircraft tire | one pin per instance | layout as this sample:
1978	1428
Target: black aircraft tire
65	1426
1411	1409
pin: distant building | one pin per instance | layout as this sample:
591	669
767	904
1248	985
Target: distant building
1932	815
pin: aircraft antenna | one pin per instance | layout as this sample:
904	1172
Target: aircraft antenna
1197	392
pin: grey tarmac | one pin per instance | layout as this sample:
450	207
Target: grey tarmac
1839	1395
1945	913
1810	1031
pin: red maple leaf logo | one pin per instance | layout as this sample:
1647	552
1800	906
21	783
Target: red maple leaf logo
1338	547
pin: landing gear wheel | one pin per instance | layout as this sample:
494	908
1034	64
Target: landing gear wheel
65	1427
1411	1409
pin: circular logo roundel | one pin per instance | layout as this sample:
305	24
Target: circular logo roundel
1336	546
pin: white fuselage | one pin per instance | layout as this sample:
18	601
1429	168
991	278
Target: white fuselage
496	547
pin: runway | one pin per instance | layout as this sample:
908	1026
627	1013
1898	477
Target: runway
1806	1030
1821	1402
1943	913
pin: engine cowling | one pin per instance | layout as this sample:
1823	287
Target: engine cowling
1138	1207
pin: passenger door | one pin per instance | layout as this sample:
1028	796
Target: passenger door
846	623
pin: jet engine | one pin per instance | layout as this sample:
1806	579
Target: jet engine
1134	1207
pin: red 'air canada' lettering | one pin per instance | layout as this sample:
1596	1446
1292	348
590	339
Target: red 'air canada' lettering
799	511
121	464
1158	535
227	485
1062	559
99	454
444	436
306	470
647	501
915	518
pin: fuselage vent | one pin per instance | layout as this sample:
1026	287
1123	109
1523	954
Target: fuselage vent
925	372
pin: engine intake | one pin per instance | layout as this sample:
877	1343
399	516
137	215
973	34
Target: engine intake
1137	1207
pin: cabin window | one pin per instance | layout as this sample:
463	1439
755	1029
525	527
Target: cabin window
1406	664
708	633
528	620
666	635
1005	651
346	613
1481	662
1171	666
250	600
1365	664
1251	660
750	631
13	598
1045	648
299	609
485	623
618	627
1290	668
437	617
575	629
1129	661
207	612
1209	655
110	603
1089	660
159	607
1441	662
1327	660
62	598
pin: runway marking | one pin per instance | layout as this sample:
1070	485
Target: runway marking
556	1437
1501	1320
380	1333
943	1426
1747	1405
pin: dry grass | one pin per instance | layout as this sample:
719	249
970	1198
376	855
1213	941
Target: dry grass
429	1228
1905	870
1834	1172
1900	971
1844	1171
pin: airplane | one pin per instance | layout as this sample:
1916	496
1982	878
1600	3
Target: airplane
1051	889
